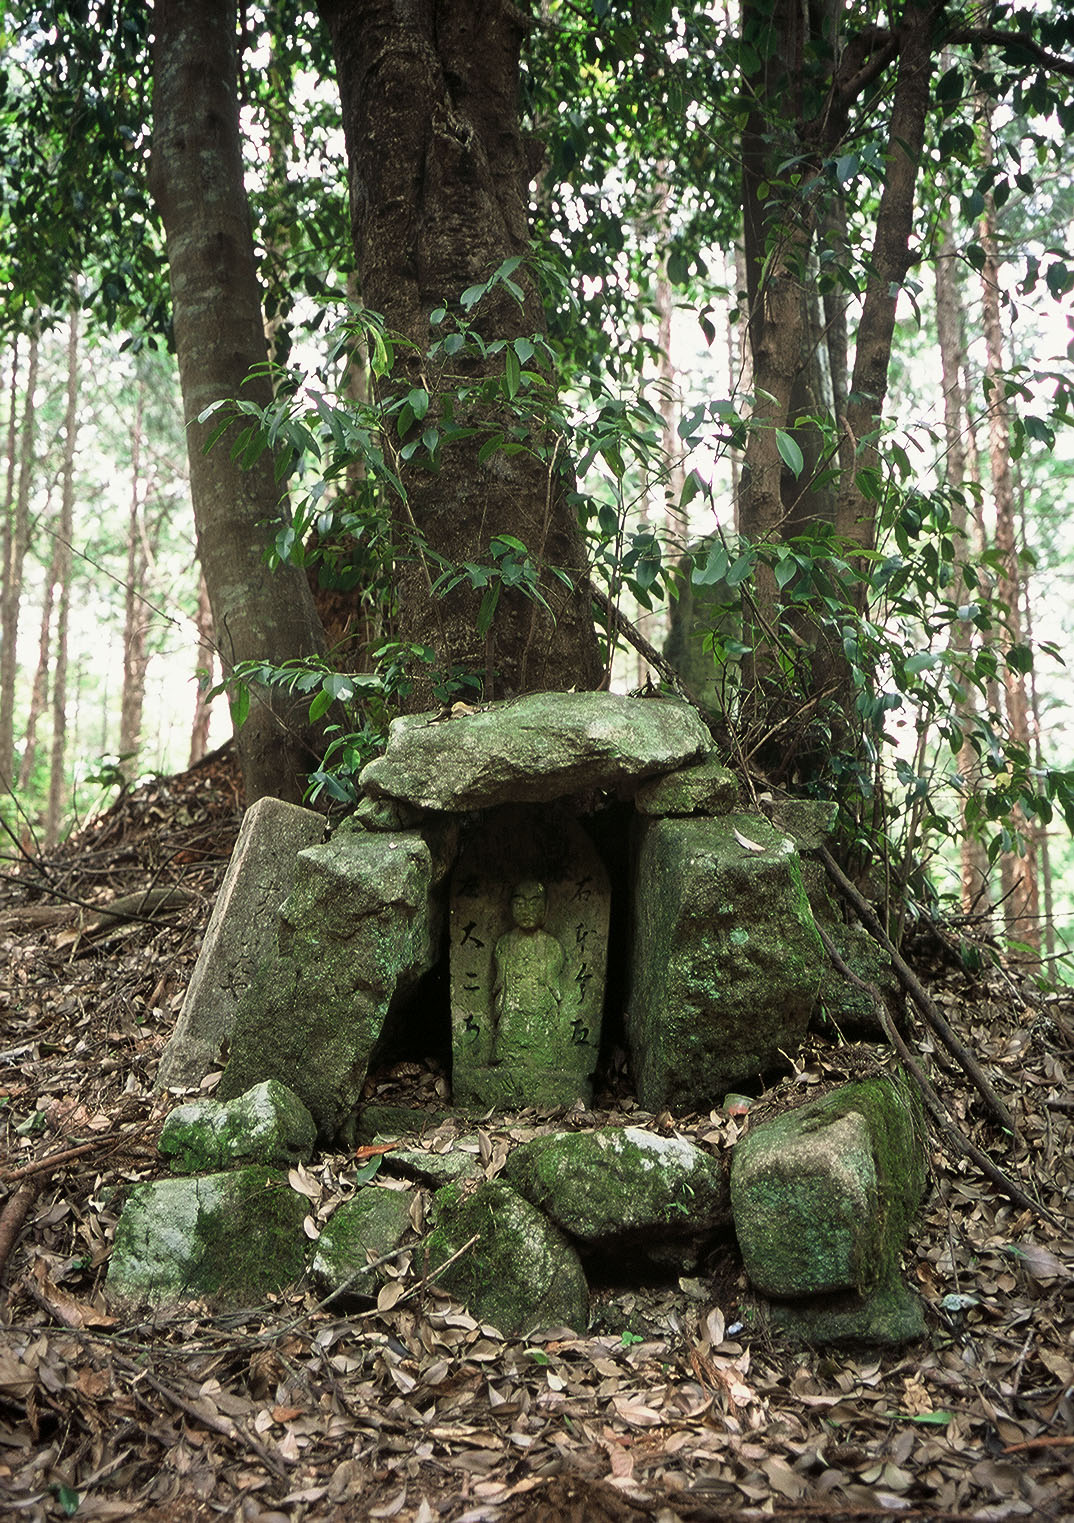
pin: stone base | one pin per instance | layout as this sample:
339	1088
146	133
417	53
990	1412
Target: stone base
887	1318
511	1088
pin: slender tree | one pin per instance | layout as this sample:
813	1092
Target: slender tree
57	785
197	182
16	541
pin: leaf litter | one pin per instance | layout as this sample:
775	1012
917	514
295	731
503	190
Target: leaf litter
394	1402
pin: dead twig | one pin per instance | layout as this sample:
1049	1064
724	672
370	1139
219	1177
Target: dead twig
920	996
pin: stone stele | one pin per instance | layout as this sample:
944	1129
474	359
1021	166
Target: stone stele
530	903
240	935
357	933
534	749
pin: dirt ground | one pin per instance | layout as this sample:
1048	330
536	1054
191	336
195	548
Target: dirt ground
403	1406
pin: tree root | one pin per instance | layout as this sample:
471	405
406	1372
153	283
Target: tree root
935	1106
920	996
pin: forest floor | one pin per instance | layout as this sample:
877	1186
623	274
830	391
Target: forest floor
405	1407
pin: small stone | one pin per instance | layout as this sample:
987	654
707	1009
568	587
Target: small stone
370	1226
707	788
267	1124
521	1274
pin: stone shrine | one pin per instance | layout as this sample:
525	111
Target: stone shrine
529	911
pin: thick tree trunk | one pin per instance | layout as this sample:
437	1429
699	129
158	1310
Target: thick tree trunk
439	181
57	780
16	540
219	337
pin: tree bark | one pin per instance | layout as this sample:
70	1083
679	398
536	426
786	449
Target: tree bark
57	780
439	179
16	540
135	657
197	182
1018	871
206	677
950	331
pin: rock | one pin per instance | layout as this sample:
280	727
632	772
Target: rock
533	749
359	929
823	1195
228	1239
520	1275
624	1190
389	1121
887	1317
726	960
240	935
380	814
371	1225
527	997
268	1124
808	822
841	1003
461	1161
707	788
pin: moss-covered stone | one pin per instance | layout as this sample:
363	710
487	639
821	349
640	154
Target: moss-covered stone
888	1317
726	959
623	1188
707	788
840	1002
371	1225
521	1274
268	1124
533	749
228	1239
396	1121
823	1196
358	930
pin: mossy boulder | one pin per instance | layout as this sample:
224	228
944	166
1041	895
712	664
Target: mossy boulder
371	1225
726	961
268	1124
229	1239
823	1196
533	749
624	1190
359	929
521	1274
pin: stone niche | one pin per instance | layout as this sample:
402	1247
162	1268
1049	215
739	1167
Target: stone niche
466	896
529	912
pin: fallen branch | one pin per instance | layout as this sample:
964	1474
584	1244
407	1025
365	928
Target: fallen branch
14	1214
935	1106
57	1160
920	996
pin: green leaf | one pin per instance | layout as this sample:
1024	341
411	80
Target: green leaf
524	349
789	452
239	704
471	296
924	661
418	402
512	372
320	705
1020	658
487	610
69	1500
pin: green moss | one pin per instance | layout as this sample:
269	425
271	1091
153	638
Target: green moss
520	1273
227	1238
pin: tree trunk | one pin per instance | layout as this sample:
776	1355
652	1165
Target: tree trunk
57	780
206	677
950	331
39	692
198	186
439	182
1018	872
135	657
16	539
